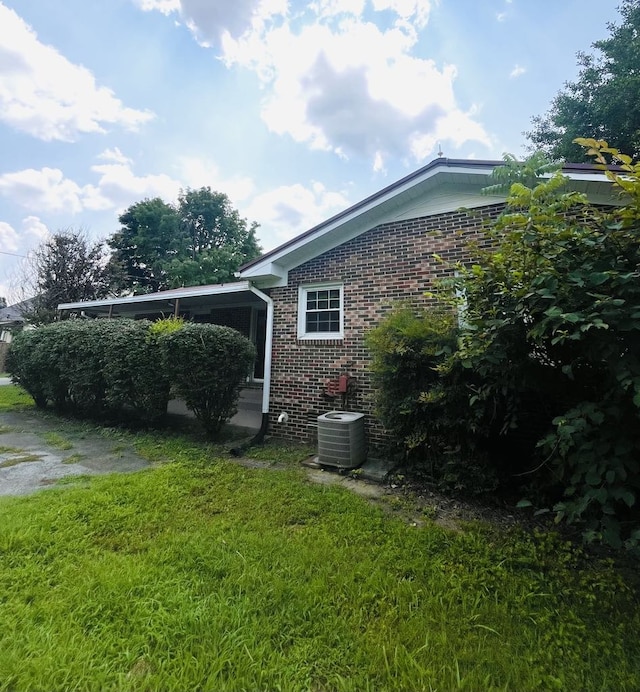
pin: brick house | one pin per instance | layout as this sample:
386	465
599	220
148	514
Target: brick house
309	303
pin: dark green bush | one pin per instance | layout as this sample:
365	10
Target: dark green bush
548	356
80	349
30	365
209	363
93	368
408	348
421	399
137	379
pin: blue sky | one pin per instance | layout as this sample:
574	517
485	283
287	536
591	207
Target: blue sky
295	110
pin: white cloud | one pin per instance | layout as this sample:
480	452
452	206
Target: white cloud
34	228
210	21
45	95
355	90
331	8
416	11
118	187
289	210
9	239
47	190
164	6
42	190
198	173
114	155
517	71
501	16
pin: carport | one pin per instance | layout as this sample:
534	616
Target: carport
239	305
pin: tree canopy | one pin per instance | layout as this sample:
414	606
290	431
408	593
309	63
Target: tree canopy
602	102
65	268
200	240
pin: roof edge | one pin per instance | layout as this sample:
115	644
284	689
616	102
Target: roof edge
479	164
432	165
171	294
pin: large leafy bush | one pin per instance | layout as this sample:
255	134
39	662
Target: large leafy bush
137	379
30	364
551	347
420	396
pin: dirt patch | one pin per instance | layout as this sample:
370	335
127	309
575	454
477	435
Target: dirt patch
38	453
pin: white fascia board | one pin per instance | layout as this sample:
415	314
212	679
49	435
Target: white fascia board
386	206
189	292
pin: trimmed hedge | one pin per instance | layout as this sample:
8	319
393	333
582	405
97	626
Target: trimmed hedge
125	368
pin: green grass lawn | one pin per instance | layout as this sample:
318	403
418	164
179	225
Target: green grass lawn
201	574
14	398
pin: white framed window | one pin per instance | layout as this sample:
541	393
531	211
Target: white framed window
320	311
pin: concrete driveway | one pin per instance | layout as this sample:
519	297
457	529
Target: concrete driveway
37	450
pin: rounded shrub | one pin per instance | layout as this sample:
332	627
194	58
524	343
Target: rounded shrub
208	365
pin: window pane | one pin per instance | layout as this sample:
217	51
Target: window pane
312	325
325	321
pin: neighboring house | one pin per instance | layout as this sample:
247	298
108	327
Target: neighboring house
310	302
12	318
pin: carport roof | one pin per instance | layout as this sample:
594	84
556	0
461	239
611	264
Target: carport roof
191	296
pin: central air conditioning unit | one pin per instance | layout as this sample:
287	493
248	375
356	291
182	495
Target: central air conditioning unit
341	440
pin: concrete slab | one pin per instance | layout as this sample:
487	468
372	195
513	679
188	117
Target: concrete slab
29	461
375	470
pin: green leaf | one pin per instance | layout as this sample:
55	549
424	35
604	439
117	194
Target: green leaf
628	498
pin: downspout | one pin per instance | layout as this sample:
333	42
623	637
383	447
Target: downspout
266	385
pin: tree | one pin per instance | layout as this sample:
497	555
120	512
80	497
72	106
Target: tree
146	242
602	102
66	268
200	240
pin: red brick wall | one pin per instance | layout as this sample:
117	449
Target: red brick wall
391	263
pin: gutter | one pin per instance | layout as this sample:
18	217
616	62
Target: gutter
266	385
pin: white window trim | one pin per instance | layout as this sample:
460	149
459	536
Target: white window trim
302	312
